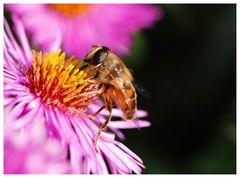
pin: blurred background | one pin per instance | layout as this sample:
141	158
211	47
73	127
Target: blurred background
187	63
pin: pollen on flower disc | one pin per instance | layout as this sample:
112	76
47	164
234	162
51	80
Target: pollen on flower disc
70	9
62	82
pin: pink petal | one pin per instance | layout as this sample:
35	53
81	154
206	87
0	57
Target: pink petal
129	124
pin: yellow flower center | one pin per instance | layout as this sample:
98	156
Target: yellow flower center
70	9
61	82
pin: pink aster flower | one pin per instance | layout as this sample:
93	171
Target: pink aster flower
30	150
47	123
76	27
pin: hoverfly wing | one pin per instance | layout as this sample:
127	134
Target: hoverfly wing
141	90
131	71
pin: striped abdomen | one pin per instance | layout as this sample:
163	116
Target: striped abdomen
125	98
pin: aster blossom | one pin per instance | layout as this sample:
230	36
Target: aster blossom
76	27
47	121
32	151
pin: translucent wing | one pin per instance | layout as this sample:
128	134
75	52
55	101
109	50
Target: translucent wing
141	90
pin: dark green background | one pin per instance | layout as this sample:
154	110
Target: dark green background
187	62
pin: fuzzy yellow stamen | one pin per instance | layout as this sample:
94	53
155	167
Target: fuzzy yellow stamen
70	9
62	82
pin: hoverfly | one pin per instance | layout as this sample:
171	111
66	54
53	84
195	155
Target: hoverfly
117	81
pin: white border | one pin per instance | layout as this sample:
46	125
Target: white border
127	2
1	91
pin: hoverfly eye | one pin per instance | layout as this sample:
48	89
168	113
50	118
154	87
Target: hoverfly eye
100	56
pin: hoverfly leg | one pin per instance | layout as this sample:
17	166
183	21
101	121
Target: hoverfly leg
93	116
108	105
100	91
99	111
